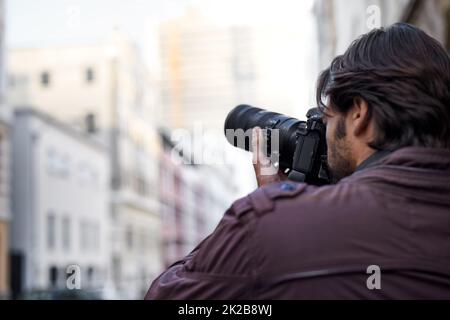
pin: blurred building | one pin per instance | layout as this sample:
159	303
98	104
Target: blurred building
339	22
433	16
193	200
105	90
206	70
5	214
209	68
60	200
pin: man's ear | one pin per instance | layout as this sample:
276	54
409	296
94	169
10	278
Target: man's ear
359	116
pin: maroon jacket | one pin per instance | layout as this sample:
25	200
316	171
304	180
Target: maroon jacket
295	241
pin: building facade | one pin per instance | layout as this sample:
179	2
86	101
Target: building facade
60	200
105	90
193	199
5	210
208	68
339	22
432	16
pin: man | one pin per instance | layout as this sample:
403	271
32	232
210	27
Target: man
383	230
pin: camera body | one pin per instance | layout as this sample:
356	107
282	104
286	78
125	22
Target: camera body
298	147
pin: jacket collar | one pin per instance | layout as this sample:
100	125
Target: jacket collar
420	173
418	157
372	160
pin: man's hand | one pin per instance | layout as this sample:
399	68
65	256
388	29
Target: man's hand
266	172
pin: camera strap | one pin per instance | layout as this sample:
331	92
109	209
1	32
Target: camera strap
377	156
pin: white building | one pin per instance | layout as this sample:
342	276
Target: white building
60	200
106	90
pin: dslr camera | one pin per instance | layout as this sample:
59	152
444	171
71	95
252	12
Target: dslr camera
296	147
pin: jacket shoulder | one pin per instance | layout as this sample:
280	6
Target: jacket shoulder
263	200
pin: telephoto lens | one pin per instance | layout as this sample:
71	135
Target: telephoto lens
294	145
244	118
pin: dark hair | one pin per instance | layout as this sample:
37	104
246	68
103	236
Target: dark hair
404	76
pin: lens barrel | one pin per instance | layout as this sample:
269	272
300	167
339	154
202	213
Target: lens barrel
244	118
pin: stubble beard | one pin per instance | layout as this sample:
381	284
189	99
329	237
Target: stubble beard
339	154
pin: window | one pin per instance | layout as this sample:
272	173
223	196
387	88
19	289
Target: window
52	161
142	240
90	275
45	79
11	81
129	237
90	123
84	235
90	236
95	237
66	234
65	166
89	75
140	184
17	81
87	175
51	231
58	165
116	269
53	276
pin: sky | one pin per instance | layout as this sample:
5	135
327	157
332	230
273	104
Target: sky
31	23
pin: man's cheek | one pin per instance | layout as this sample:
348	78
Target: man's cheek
331	148
329	136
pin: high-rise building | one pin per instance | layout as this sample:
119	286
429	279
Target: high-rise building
209	68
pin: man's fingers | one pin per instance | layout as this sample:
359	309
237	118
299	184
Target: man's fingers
265	171
259	146
256	145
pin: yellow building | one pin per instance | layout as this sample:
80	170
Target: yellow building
4	211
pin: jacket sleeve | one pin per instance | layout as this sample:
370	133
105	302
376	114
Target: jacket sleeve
221	267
